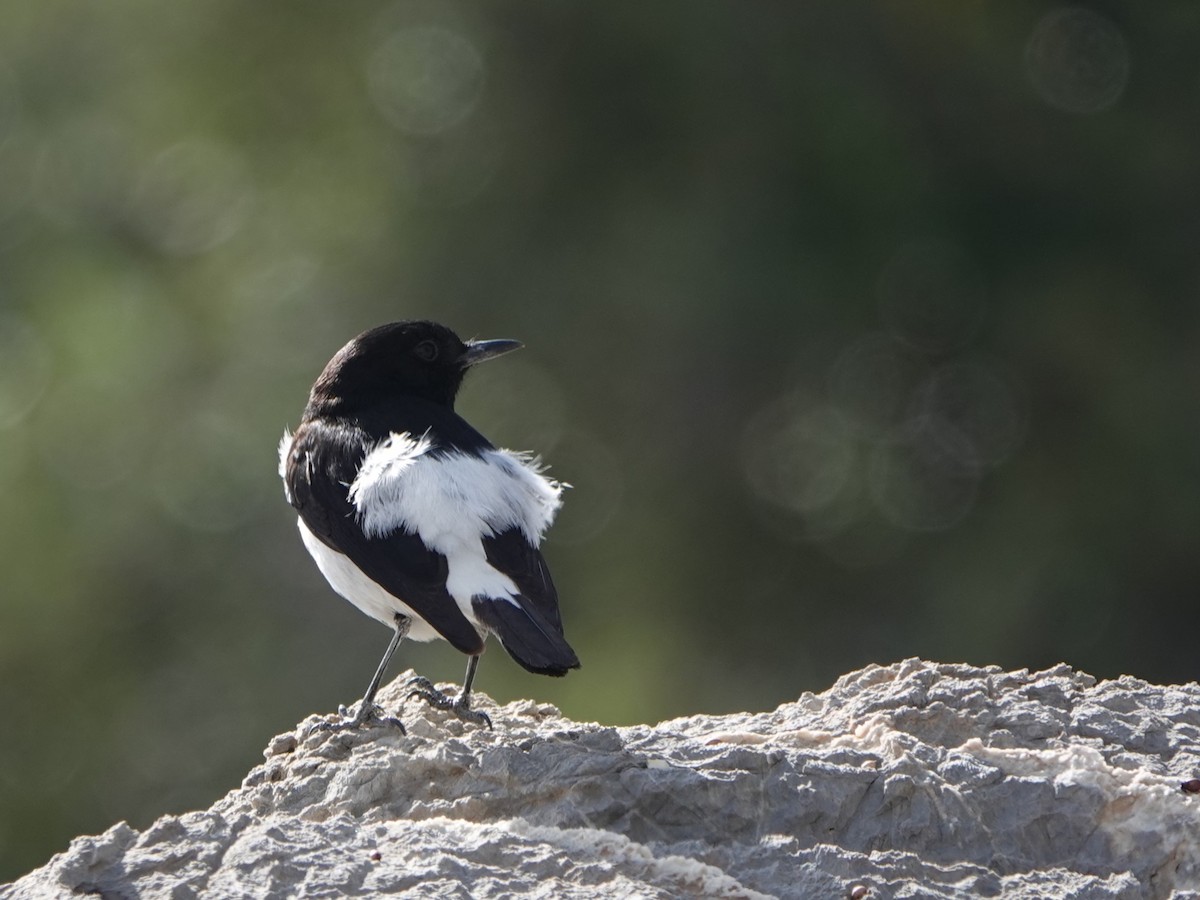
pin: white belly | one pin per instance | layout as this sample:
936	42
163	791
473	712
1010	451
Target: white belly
349	581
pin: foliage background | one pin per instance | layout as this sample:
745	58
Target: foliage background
863	331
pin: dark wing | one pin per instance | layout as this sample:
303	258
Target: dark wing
529	626
511	553
322	463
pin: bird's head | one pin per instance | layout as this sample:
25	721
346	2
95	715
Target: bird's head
415	358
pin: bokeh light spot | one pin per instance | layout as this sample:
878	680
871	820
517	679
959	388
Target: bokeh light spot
798	457
1077	60
425	79
193	197
873	379
976	403
928	481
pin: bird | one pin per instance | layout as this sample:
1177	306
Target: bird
415	517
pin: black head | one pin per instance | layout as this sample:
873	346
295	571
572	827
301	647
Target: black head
414	359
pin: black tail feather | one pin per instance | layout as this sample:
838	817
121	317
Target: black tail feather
526	634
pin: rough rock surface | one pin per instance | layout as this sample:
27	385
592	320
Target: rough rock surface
910	780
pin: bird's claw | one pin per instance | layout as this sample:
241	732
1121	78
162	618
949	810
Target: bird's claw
422	687
370	715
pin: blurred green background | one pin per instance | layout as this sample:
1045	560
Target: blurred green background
862	331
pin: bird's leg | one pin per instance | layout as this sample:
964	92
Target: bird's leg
422	687
366	708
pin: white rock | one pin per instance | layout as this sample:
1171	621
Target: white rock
911	780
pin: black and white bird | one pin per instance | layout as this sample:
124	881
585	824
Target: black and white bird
414	517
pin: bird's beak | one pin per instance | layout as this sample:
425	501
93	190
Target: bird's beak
478	351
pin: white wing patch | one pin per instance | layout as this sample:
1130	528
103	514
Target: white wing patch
379	487
451	501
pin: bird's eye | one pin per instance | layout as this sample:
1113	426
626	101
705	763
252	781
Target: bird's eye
426	350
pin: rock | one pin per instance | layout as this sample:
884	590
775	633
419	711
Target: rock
910	780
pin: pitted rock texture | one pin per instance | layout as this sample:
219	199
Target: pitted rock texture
910	780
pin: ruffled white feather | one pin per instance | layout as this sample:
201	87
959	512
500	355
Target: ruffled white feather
451	499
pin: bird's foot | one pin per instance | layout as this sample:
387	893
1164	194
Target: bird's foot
423	688
369	714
